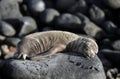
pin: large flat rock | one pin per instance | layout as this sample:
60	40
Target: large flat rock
60	66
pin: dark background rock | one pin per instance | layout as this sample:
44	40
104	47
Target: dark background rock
63	5
9	9
35	6
79	6
96	14
48	15
67	21
6	29
12	41
60	66
82	17
110	27
116	45
114	4
112	55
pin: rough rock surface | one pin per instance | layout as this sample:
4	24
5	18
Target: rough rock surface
60	66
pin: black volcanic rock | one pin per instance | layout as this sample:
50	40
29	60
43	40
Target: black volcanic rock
116	45
79	6
6	29
96	14
60	66
9	9
82	17
67	21
110	27
48	15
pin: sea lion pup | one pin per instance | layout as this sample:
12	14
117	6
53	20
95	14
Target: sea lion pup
37	45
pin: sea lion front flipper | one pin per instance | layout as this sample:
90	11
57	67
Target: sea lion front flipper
55	49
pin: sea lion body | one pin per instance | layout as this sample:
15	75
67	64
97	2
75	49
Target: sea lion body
51	42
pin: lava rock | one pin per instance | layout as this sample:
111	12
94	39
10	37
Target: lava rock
63	5
9	9
116	45
28	25
60	66
112	55
110	27
96	14
12	41
114	4
48	15
79	6
6	29
35	6
67	21
93	30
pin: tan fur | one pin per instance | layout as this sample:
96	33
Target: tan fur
52	42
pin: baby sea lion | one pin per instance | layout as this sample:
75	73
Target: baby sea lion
37	45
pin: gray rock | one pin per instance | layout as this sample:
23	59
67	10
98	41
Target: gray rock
110	27
12	41
28	25
82	17
114	4
48	15
6	29
93	30
96	14
35	6
64	4
116	45
79	6
60	66
67	21
9	9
